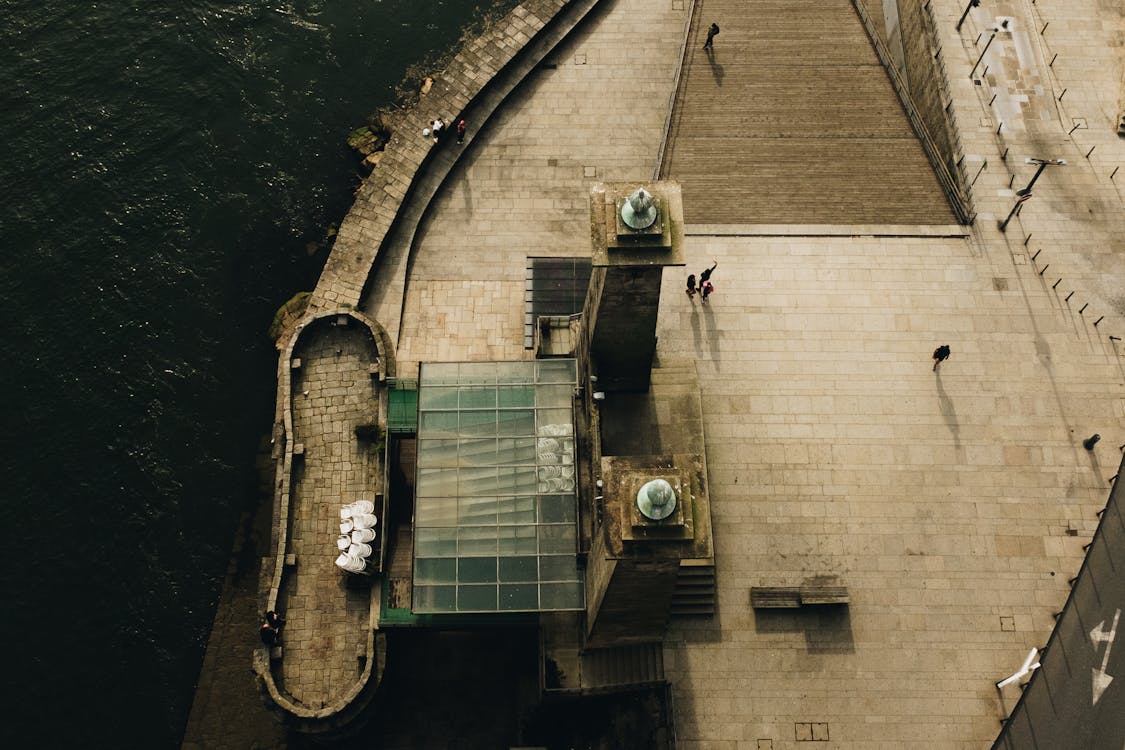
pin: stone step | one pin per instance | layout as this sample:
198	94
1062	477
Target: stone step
695	591
622	667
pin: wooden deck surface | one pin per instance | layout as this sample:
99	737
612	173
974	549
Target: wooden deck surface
791	119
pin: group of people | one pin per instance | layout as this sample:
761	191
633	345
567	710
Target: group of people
438	128
271	628
705	286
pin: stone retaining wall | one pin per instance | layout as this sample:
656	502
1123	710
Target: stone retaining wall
378	201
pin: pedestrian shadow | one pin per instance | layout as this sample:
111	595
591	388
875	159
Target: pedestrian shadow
948	412
712	332
716	66
696	333
827	628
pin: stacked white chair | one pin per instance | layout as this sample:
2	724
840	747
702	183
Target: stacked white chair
365	521
351	563
357	530
363	535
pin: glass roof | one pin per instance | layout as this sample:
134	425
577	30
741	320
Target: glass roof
496	511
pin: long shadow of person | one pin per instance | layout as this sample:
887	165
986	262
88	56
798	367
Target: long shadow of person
716	67
948	412
696	333
712	333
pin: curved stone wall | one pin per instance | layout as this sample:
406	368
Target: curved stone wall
480	76
331	402
383	193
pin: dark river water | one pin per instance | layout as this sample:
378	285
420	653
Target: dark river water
163	167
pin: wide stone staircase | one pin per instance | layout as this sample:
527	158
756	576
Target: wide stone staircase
605	669
793	120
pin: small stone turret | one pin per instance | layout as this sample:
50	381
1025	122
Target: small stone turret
637	231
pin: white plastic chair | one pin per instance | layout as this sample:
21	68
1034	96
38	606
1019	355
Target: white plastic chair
363	535
359	550
365	521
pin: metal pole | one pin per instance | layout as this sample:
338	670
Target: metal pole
1026	190
972	4
1015	208
982	53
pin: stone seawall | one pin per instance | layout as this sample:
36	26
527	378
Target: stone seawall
383	193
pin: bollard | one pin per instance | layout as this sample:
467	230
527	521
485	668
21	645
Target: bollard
1116	338
1083	308
1052	63
999	126
977	40
1033	257
1091	441
1045	268
1062	95
1012	179
1004	157
1044	28
1111	174
1091	150
990	101
1067	298
1076	125
1026	240
1056	283
1099	320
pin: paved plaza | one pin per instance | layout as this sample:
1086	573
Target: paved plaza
953	505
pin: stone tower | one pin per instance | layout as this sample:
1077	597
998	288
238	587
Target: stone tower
637	230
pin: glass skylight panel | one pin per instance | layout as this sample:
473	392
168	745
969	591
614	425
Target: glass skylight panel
495	525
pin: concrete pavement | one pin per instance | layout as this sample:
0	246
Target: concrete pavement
953	505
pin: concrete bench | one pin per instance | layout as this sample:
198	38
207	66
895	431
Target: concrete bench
774	597
795	597
824	595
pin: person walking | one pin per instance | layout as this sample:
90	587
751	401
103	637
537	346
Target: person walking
705	289
711	34
706	273
691	286
461	127
940	355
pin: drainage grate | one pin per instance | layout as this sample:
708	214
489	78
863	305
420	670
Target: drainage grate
805	731
555	286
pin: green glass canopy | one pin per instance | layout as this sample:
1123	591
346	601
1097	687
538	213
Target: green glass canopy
496	511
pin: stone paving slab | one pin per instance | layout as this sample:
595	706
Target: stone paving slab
953	505
523	187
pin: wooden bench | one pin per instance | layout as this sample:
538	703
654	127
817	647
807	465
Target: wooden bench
795	597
